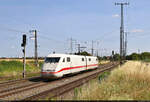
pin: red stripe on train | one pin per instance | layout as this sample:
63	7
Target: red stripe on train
68	68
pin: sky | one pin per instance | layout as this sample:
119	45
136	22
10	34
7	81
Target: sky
57	21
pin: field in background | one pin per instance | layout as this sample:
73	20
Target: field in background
128	82
13	68
15	59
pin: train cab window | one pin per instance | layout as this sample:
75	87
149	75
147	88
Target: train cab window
52	59
82	59
68	59
89	59
63	59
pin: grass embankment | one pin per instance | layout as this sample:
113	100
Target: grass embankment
14	68
129	82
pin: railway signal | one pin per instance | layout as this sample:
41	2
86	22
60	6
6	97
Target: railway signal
24	58
113	53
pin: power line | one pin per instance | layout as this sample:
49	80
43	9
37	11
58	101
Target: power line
19	31
13	30
48	38
106	35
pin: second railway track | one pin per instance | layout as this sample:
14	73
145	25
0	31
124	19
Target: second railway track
40	89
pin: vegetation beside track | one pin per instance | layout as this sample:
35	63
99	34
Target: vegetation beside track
128	82
13	69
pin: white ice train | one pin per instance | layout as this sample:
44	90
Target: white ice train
58	65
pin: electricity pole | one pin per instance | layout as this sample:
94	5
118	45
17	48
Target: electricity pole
36	54
71	45
97	48
123	45
92	48
35	47
126	43
97	53
78	48
121	32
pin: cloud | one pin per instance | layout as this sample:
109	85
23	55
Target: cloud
137	30
115	16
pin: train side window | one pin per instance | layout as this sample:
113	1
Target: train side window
64	60
82	59
96	59
68	59
89	59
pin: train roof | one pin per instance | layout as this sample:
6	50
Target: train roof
65	55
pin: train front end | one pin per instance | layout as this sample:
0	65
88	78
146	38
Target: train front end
49	69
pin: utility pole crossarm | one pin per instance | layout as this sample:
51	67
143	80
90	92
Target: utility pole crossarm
126	3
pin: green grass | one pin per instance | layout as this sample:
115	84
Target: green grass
15	68
103	76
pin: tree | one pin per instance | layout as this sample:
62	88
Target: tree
84	53
116	57
135	56
145	55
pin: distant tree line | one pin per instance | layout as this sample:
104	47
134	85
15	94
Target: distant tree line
134	56
141	56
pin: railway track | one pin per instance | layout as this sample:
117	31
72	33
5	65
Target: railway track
33	90
17	81
70	85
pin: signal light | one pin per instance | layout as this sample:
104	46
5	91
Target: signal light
23	41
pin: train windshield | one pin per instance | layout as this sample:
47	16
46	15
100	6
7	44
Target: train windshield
52	59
